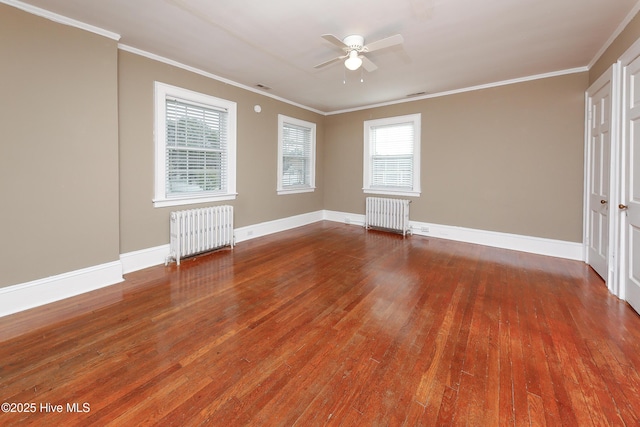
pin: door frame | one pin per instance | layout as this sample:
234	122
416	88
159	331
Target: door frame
616	260
630	55
612	75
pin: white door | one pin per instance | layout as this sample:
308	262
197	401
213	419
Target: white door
629	207
599	110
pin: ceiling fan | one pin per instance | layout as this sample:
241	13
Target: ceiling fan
354	49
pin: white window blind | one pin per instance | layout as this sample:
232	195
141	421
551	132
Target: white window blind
296	155
392	155
196	148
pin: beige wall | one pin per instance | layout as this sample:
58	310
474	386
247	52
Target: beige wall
76	167
142	225
507	159
59	149
624	40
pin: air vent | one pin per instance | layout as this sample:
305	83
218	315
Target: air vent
261	86
411	95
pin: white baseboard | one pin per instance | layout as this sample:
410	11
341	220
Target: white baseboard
144	258
516	242
269	227
44	291
344	217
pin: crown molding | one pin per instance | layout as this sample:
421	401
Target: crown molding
632	13
81	25
61	19
177	64
467	89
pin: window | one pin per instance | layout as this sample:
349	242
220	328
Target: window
296	155
392	155
195	140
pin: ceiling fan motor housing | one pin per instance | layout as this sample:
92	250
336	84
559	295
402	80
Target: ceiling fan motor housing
355	42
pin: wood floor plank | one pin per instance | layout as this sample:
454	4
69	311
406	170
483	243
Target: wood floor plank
536	410
329	324
505	371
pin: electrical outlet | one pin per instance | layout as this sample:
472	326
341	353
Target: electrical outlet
347	221
424	229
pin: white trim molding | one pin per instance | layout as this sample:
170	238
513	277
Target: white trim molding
401	139
632	13
144	258
207	74
60	19
345	217
132	49
28	295
297	140
50	289
610	77
463	90
168	61
221	111
269	227
149	257
516	242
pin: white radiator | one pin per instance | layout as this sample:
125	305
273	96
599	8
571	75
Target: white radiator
195	231
388	214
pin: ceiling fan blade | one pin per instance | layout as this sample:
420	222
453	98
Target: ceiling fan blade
329	62
384	43
367	64
334	41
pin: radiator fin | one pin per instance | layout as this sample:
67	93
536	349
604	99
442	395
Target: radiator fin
388	214
195	231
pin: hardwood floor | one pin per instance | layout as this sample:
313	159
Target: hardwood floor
331	325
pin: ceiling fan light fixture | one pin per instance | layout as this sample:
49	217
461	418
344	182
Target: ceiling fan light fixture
353	62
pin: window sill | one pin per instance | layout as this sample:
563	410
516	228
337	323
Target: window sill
161	203
391	192
282	192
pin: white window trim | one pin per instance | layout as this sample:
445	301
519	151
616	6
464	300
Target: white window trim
161	92
368	124
282	119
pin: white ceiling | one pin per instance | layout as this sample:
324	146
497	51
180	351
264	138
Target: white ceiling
448	44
